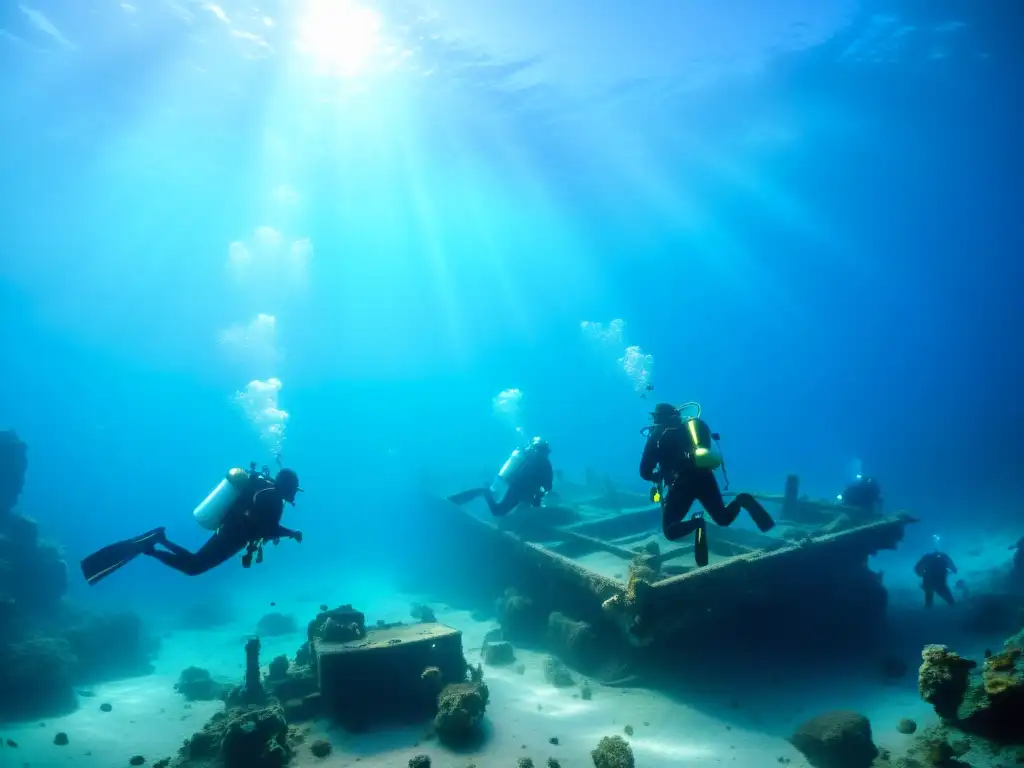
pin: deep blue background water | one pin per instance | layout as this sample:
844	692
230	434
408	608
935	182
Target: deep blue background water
808	213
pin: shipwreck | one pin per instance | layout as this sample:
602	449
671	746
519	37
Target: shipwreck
597	556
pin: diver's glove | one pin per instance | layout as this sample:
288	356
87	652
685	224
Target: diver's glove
297	535
538	498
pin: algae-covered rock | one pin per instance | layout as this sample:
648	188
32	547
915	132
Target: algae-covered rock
240	738
840	739
278	668
197	684
499	654
275	623
906	726
460	712
986	704
576	641
338	625
938	745
556	673
422	613
943	679
519	616
613	752
36	678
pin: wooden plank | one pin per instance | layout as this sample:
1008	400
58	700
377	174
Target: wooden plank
672	554
874	535
604	586
593	543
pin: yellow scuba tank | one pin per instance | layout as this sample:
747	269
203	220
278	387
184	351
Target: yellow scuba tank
702	445
211	510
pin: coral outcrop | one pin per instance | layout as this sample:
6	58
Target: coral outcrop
943	679
197	684
460	712
556	673
984	702
47	645
840	739
37	677
519	616
256	737
422	612
275	623
577	642
613	752
499	654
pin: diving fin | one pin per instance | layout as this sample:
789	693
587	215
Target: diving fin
466	496
700	545
112	557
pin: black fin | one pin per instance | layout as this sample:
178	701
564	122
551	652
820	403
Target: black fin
112	557
700	545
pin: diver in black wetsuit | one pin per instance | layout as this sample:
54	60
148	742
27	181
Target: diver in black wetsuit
527	476
677	459
864	494
252	519
933	570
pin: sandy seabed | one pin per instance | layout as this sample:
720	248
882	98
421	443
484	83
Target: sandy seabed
743	726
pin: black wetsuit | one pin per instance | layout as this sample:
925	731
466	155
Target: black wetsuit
933	569
254	517
1018	561
666	459
530	482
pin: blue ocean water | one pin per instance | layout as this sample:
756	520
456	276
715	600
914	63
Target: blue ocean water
338	231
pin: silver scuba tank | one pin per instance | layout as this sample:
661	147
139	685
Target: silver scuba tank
211	510
502	481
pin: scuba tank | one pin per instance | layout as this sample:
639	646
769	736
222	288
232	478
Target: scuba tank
500	486
211	510
703	443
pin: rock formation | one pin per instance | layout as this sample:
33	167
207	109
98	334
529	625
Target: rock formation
47	646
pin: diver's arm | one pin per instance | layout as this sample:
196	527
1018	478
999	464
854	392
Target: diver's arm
546	476
286	533
268	507
949	564
919	568
649	462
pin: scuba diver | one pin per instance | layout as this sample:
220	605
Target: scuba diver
680	460
244	511
933	569
864	493
527	476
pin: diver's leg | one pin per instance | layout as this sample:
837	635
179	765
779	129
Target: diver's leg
218	549
503	507
758	513
942	591
466	496
929	596
710	497
175	548
678	501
